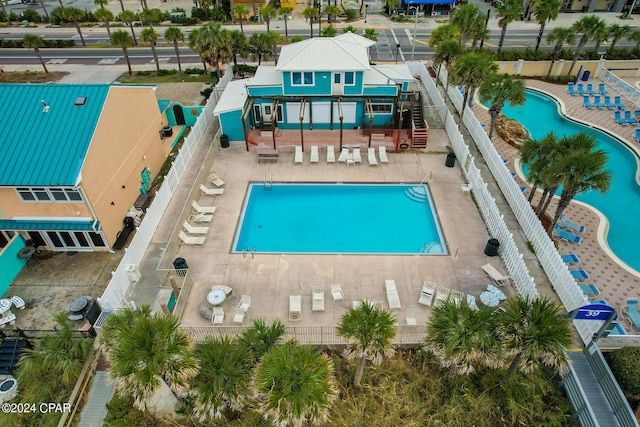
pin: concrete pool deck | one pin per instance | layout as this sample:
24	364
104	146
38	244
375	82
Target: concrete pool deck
616	283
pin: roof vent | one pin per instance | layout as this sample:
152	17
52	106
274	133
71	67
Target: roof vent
45	106
81	100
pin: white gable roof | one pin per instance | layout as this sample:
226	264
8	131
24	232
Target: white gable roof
233	97
340	53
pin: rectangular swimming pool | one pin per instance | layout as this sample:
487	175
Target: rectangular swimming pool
339	219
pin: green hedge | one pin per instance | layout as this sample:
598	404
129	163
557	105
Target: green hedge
47	43
529	54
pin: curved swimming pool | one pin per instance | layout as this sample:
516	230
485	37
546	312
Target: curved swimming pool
621	204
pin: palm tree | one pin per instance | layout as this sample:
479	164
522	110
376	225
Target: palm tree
635	37
498	89
4	11
60	356
537	155
123	39
129	17
240	47
589	26
446	52
443	33
602	35
349	29
260	337
617	31
223	377
508	11
106	16
149	35
285	12
146	349
101	3
198	43
151	17
332	12
328	31
371	34
121	5
294	385
462	338
31	41
465	18
582	169
370	331
239	11
212	43
310	13
533	331
470	70
173	35
44	9
269	12
545	10
262	45
73	14
559	36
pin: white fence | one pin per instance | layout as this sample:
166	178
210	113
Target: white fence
114	295
619	85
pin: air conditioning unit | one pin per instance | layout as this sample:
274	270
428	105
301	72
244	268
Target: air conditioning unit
133	273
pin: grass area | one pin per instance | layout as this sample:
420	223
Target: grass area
31	76
412	390
144	77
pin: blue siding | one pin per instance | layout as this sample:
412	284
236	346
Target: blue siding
231	125
191	114
46	148
381	91
321	84
10	264
355	89
265	90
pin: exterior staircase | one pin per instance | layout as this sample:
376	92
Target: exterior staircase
419	127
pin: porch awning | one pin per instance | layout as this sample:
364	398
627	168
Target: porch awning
9	224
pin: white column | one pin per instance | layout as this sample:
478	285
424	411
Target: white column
560	66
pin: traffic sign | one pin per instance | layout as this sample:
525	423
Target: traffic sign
595	312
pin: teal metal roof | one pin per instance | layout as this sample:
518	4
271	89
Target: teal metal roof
163	104
46	148
9	224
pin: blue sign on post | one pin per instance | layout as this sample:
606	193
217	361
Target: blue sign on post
595	312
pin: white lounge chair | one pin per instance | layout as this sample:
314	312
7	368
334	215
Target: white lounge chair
226	289
331	154
356	154
336	292
194	230
411	317
295	307
191	240
426	294
215	180
372	156
18	302
202	209
344	154
218	315
317	298
466	188
314	154
238	316
392	294
245	302
495	276
201	217
442	294
211	191
457	296
382	153
298	155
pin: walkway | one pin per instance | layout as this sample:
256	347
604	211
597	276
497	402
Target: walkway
95	411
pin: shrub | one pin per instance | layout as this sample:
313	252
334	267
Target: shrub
163	72
206	93
143	73
350	14
31	15
245	68
198	13
55	16
189	21
295	39
194	71
624	365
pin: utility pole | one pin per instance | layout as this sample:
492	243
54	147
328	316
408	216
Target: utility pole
415	29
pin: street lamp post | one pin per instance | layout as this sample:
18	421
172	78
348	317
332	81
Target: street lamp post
397	51
366	6
415	29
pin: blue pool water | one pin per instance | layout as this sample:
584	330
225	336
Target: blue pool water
338	218
621	204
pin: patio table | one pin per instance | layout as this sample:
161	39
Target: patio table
5	305
77	305
216	296
489	299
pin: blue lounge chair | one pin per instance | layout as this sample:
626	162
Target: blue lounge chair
629	119
637	135
564	223
607	102
620	105
579	274
618	118
566	236
637	114
590	290
586	102
581	89
602	90
596	101
631	311
572	89
570	259
590	89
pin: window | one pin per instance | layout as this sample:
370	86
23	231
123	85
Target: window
302	78
381	108
49	194
267	110
349	78
337	78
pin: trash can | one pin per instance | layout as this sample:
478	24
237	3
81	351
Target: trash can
492	247
586	75
450	161
180	264
224	141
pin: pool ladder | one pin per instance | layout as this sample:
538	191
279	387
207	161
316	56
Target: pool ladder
268	183
428	246
246	252
418	193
